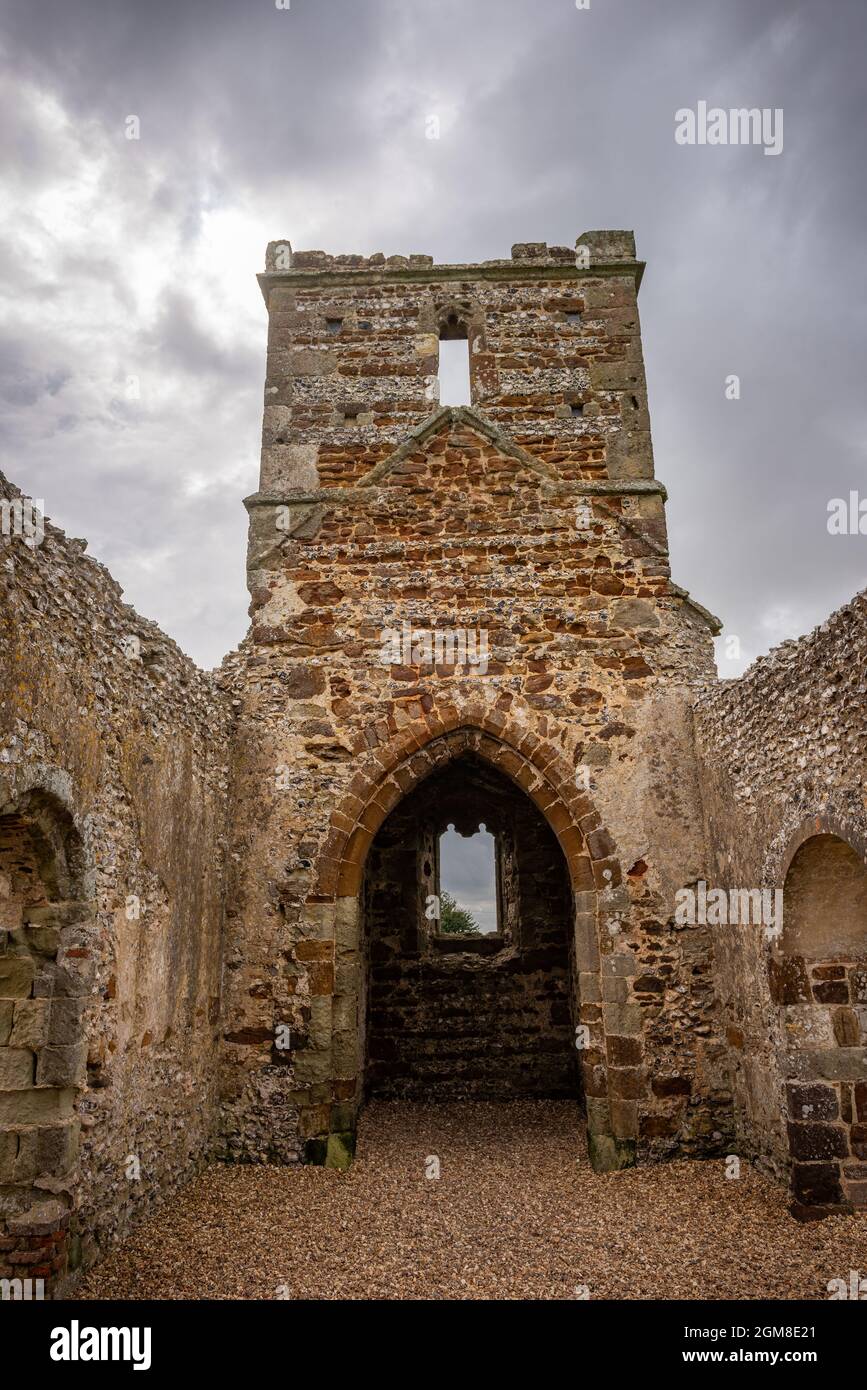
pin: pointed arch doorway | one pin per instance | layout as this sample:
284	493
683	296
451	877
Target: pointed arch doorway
468	993
550	935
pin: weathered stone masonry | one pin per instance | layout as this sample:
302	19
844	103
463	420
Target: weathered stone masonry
113	763
534	517
784	789
213	888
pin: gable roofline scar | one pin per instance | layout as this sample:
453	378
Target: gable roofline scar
445	418
466	416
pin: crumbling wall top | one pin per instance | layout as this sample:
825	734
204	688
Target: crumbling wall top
595	252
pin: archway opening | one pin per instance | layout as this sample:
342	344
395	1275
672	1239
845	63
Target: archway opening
820	981
474	1014
42	1062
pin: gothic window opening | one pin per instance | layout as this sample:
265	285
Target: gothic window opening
454	360
468	883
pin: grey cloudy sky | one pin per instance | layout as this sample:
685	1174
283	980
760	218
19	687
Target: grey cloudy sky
126	259
468	872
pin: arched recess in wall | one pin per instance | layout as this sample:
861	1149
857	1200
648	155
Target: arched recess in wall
819	979
455	1011
825	902
45	962
393	772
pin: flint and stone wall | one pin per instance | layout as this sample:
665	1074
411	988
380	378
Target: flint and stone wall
113	763
533	517
783	774
212	936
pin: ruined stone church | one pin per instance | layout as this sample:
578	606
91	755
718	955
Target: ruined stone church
217	937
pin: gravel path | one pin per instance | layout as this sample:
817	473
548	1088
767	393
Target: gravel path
516	1213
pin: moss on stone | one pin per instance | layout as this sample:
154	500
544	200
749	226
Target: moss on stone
341	1149
609	1155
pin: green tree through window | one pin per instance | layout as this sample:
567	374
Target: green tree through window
455	920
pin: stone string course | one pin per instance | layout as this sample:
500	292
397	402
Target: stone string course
212	937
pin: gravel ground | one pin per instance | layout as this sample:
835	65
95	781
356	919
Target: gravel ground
516	1213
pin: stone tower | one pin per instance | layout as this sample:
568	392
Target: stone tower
464	616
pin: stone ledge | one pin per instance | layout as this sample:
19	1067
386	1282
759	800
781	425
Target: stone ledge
329	277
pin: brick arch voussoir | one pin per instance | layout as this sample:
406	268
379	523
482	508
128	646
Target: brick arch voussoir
397	764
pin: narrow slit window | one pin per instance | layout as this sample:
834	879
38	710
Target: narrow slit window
454	372
468	884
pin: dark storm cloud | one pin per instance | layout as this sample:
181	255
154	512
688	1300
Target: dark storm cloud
310	123
249	88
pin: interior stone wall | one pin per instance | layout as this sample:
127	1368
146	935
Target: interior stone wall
113	763
211	885
782	754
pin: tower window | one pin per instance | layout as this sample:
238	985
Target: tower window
333	325
454	359
454	372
